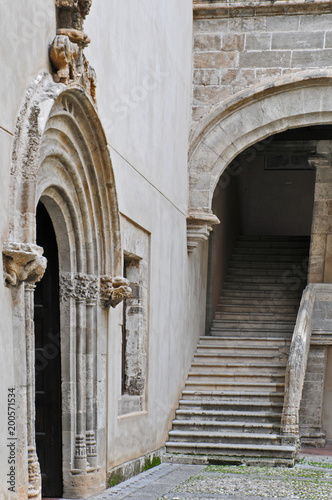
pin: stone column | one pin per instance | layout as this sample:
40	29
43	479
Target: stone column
80	444
24	264
33	464
91	359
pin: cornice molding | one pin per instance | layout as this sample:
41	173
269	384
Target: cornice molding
216	9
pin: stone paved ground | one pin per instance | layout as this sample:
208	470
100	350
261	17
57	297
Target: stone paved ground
311	479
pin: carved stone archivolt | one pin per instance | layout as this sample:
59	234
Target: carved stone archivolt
79	287
22	262
113	290
66	51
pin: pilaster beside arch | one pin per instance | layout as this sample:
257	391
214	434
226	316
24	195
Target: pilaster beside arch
199	226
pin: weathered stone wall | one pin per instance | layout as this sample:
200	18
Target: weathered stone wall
232	54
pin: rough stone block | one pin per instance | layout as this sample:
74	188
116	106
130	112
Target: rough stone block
259	41
198	112
268	73
232	42
322	225
324	174
294	41
210	95
207	42
320	208
282	23
316	22
227	76
328	40
206	77
267	59
243	24
323	191
210	25
216	59
310	58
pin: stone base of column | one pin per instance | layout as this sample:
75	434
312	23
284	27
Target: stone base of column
312	436
34	490
91	449
80	461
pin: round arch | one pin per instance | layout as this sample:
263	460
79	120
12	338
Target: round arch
292	101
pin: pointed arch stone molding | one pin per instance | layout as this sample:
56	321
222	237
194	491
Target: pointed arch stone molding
61	159
292	101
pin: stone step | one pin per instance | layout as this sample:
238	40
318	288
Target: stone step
229	416
252	257
256	309
260	272
283	250
226	405
237	426
231	449
238	367
235	376
273	238
276	288
224	437
252	325
259	265
240	358
235	341
219	332
269	295
263	300
229	385
255	316
257	396
242	349
265	280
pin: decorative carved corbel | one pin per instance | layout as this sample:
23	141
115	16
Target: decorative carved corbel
66	51
199	226
22	262
114	290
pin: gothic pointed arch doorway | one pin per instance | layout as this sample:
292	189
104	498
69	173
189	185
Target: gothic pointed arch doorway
61	164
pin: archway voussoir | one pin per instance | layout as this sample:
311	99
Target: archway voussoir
202	158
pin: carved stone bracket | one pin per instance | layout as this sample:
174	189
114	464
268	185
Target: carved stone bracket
199	226
113	290
22	262
66	51
79	287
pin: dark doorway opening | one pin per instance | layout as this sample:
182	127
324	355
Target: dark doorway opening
48	362
267	191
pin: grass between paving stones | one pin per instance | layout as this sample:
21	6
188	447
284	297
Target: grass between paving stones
273	482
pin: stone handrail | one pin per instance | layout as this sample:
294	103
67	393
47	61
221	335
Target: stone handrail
296	367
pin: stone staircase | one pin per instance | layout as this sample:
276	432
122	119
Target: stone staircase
230	410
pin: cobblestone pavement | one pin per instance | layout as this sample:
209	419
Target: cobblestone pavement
310	479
